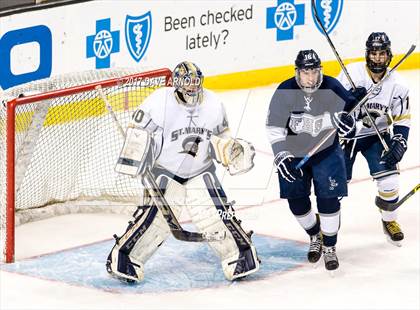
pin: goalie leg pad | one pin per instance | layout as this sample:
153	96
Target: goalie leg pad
210	212
144	235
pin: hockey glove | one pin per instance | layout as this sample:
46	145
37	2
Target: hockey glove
236	155
286	168
396	151
345	124
359	93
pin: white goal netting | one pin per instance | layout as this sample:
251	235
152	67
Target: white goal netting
66	146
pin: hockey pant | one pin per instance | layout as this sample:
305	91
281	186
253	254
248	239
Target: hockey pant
206	203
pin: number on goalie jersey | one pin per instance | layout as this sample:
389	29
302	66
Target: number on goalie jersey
183	121
389	108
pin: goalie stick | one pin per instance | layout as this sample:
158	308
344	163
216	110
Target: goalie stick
362	101
346	73
159	199
388	206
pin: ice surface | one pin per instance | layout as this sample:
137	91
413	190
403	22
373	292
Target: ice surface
373	274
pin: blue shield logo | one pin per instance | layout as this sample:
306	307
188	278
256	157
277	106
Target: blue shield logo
138	30
329	12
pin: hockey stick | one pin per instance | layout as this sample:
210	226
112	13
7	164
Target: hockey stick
362	101
158	198
387	206
346	73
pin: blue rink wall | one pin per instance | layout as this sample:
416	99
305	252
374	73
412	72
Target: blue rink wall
174	267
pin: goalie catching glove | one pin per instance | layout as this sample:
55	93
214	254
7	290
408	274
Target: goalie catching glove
236	155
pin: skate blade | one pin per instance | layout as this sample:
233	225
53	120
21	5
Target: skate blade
394	243
316	264
332	273
124	279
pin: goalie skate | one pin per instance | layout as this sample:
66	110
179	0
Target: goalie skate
121	267
393	232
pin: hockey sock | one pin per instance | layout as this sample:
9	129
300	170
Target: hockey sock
329	214
301	209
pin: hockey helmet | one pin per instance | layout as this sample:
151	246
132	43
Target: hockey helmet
188	82
308	70
378	41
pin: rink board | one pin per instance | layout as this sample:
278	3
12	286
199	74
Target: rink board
176	266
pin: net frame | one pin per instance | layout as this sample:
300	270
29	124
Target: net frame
49	89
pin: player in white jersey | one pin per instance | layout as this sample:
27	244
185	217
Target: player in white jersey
188	128
389	108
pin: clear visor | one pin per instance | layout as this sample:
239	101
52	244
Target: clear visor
309	80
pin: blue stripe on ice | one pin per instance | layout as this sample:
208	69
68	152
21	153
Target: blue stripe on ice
175	266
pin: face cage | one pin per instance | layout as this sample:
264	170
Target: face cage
306	89
192	98
377	67
185	96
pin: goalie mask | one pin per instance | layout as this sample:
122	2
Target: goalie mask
188	82
378	52
308	71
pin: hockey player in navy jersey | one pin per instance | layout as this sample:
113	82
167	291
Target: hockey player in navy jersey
302	110
389	108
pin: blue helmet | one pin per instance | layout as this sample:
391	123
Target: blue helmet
308	60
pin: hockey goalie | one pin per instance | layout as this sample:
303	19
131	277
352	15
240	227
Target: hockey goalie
174	137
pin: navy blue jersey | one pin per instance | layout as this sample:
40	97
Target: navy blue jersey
297	121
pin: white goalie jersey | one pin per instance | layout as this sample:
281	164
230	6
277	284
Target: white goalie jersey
389	104
182	134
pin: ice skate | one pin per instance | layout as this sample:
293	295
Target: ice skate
393	232
315	248
330	259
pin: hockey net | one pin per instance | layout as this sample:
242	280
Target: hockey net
59	146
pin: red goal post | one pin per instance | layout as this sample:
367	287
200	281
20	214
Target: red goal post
59	144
